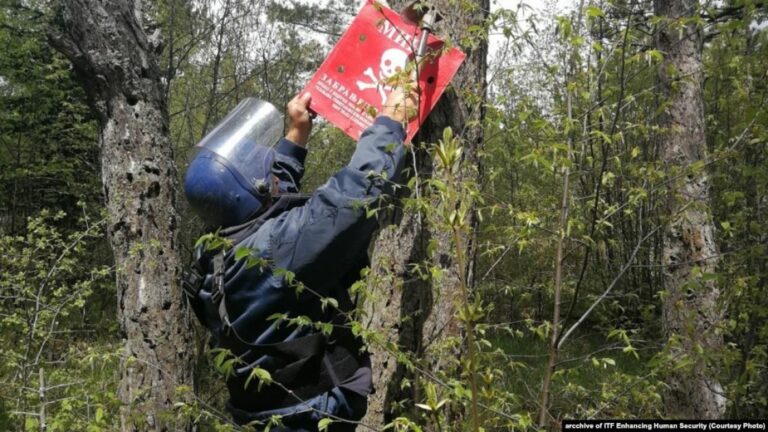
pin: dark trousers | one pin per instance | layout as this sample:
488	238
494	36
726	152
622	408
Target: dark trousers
304	417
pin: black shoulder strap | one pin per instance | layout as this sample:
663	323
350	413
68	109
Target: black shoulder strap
218	296
193	277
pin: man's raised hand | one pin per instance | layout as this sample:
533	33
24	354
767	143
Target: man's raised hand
402	103
299	119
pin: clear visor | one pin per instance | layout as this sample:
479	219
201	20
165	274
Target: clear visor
241	136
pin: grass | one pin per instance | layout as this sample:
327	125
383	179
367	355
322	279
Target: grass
593	377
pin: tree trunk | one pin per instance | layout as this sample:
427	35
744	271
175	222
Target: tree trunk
115	62
692	317
406	309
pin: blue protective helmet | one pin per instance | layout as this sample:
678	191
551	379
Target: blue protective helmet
229	180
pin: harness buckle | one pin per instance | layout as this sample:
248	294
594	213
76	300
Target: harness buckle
217	293
191	282
217	296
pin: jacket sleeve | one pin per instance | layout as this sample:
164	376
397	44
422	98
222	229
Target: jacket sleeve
289	165
320	241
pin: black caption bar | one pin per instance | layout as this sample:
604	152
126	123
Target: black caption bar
664	425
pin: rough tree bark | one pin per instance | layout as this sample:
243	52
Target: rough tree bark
115	61
692	318
406	309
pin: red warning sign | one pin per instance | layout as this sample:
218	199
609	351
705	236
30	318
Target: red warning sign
377	45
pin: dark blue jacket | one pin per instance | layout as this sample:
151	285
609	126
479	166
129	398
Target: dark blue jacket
322	241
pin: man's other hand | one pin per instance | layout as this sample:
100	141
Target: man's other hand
299	119
402	103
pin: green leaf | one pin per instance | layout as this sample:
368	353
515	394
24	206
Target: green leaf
242	252
447	135
594	12
323	424
329	301
261	374
424	407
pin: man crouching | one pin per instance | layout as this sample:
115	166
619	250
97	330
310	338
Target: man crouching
296	250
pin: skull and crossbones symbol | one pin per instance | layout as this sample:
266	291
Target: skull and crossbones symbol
393	61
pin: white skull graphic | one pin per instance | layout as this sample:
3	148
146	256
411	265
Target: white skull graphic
392	61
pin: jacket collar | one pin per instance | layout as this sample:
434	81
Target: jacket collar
284	203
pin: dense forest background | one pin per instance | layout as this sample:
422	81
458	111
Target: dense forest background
592	226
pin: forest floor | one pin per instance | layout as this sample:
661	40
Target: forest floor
589	368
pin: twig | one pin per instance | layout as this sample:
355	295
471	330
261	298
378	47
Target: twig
610	287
